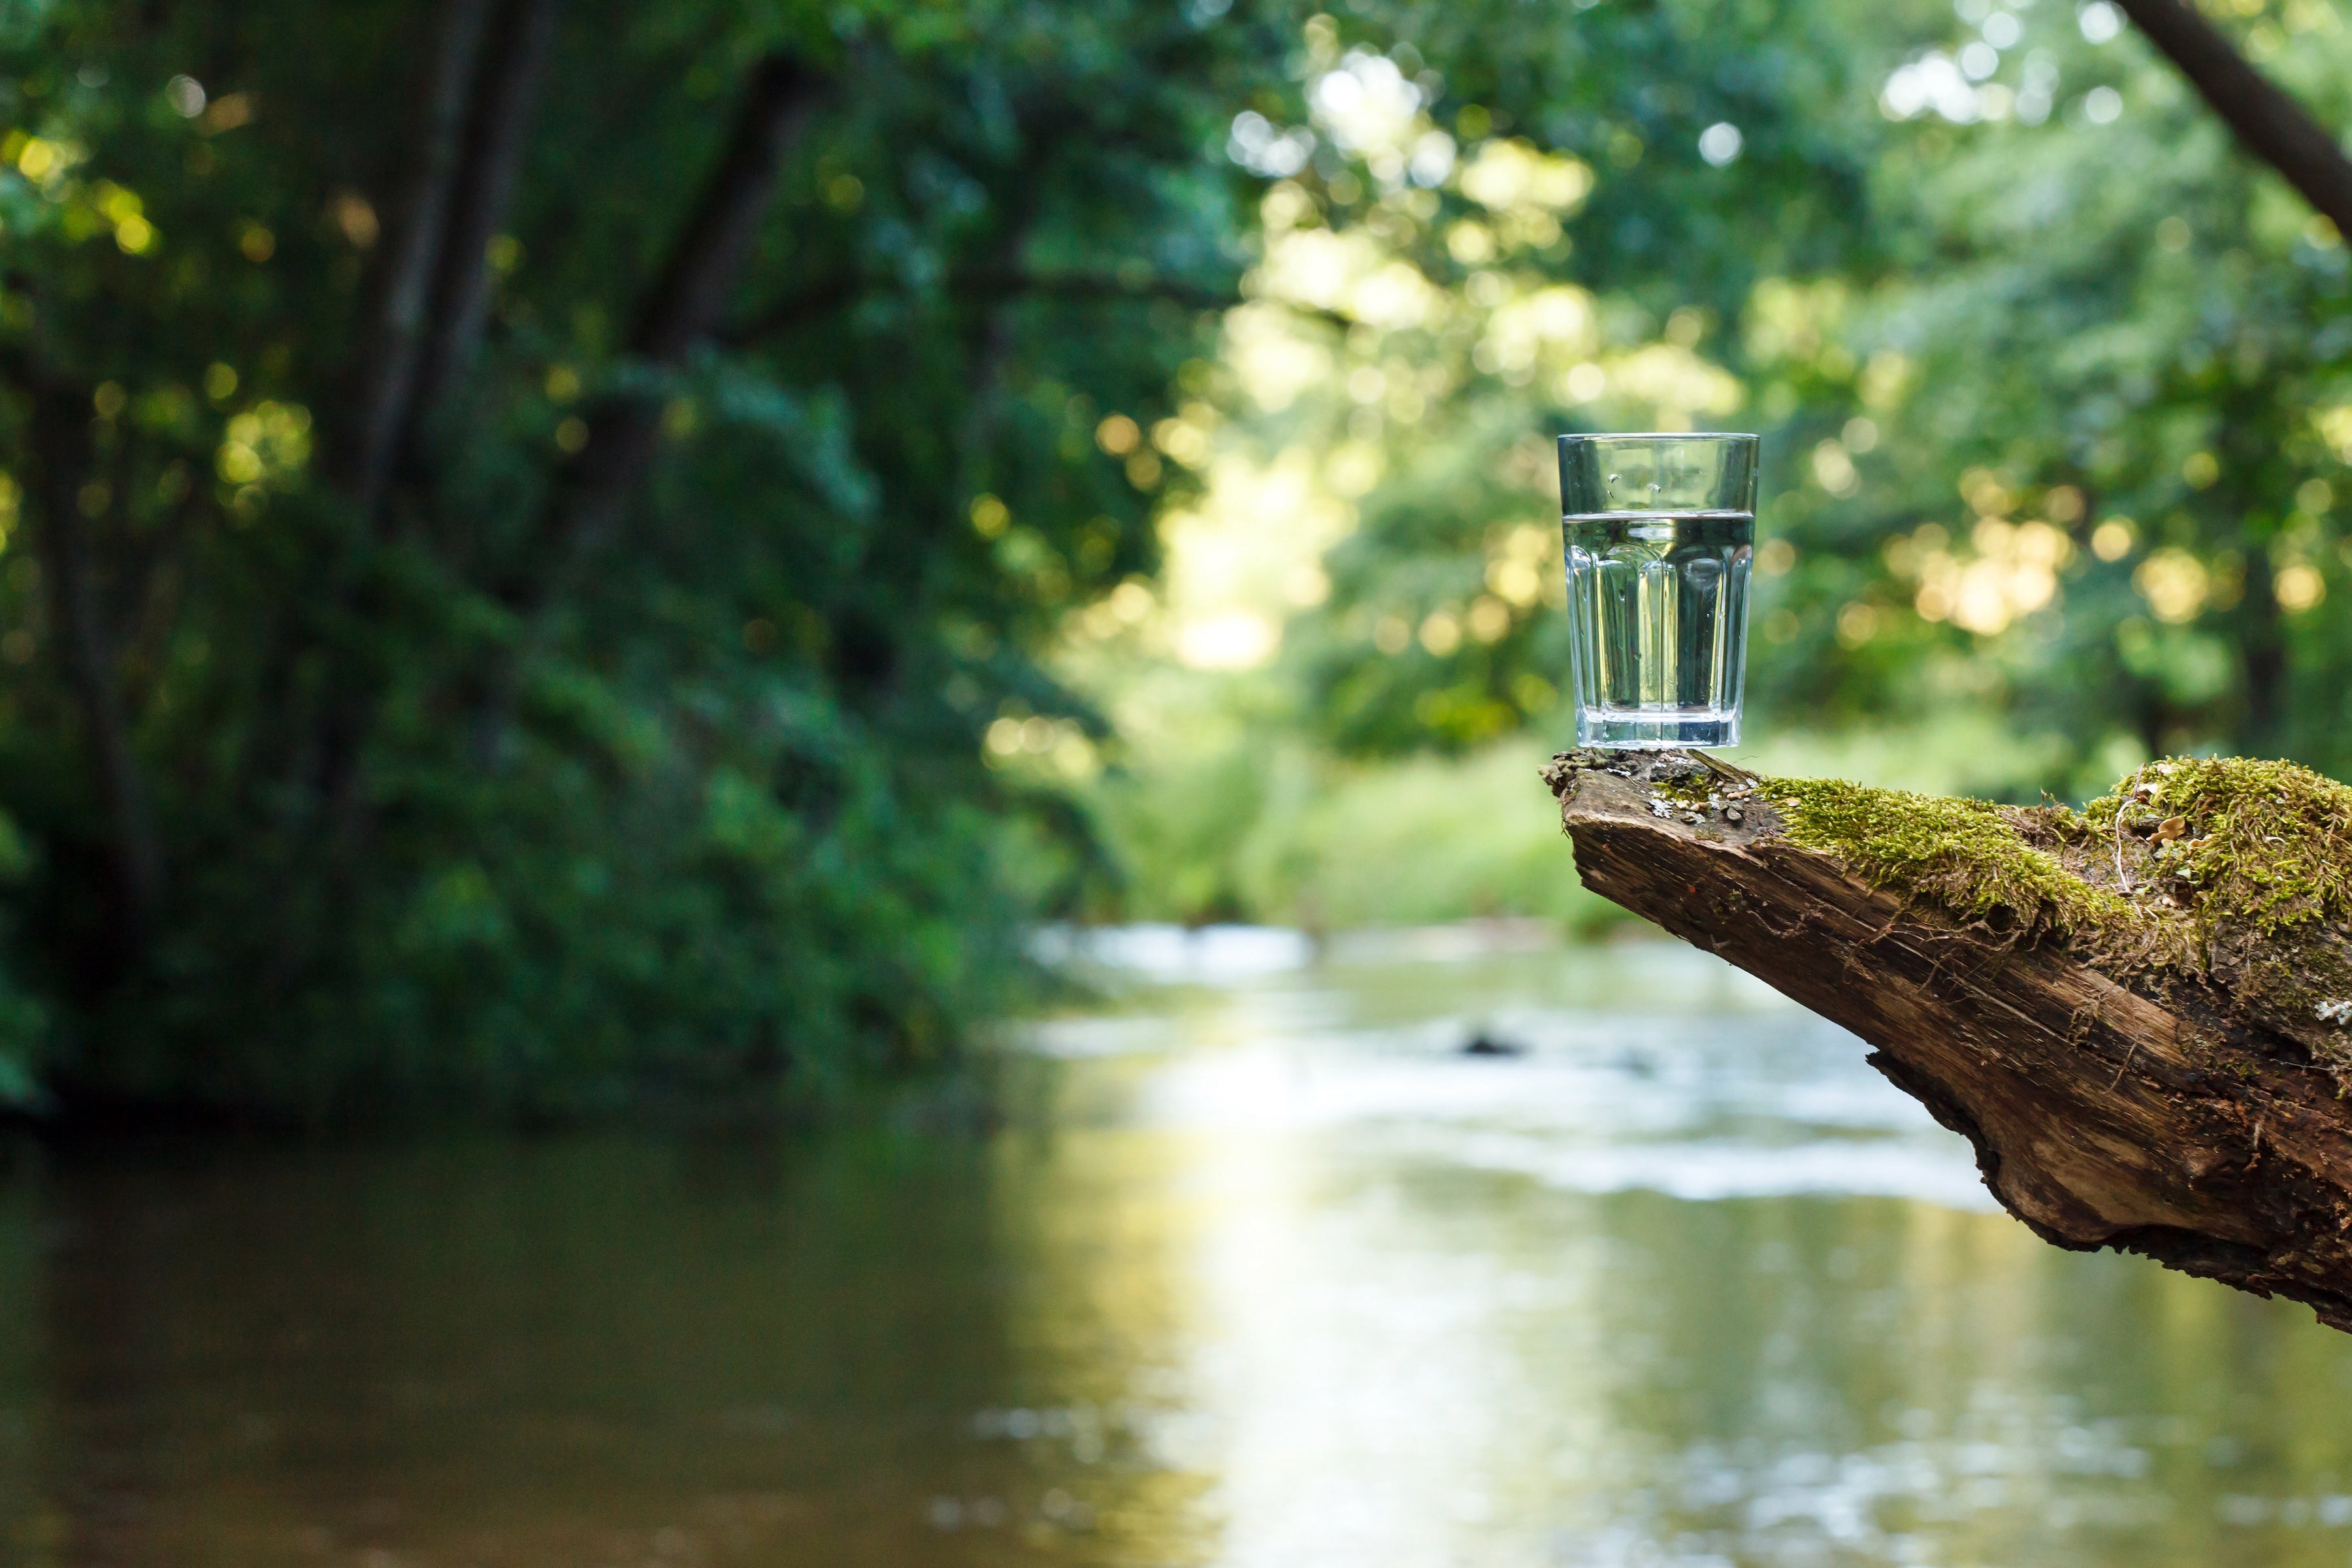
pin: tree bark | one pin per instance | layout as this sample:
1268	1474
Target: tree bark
2145	1113
2271	125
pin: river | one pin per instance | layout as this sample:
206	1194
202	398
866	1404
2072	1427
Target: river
1258	1268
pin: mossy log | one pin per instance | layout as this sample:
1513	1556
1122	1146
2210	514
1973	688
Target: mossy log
2137	1013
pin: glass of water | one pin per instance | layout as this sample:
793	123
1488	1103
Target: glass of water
1659	530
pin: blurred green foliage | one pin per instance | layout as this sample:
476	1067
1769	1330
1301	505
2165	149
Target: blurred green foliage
444	816
2050	372
2052	375
2052	380
327	793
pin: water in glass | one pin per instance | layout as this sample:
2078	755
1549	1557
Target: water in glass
1661	602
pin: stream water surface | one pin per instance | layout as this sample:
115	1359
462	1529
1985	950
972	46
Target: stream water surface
1258	1269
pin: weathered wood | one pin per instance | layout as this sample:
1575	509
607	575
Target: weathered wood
2151	1112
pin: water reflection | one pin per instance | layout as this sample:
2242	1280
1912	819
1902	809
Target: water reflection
1261	1270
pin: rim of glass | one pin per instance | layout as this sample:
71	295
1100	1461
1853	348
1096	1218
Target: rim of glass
1665	435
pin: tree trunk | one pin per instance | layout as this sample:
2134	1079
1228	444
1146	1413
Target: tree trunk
61	442
2261	652
678	316
388	382
2169	1112
488	166
681	312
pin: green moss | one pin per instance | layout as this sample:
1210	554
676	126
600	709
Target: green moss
2263	845
1695	791
2186	861
1967	855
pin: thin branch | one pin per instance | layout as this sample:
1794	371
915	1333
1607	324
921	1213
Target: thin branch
2273	126
390	378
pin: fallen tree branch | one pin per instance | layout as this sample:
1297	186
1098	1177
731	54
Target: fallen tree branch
2158	1066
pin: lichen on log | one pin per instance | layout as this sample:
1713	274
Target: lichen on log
2139	1013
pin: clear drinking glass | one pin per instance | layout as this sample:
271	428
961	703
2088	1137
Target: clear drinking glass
1658	530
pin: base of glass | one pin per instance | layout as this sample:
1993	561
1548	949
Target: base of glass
1657	729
